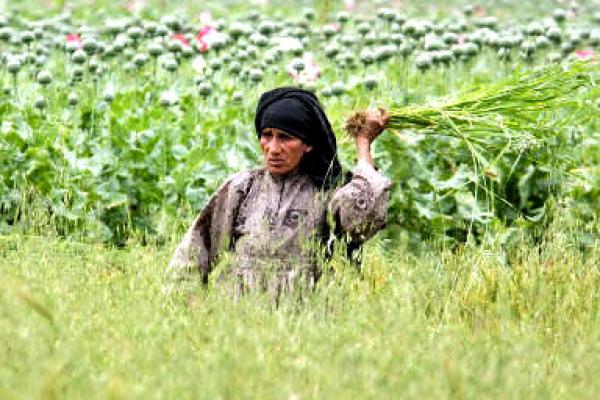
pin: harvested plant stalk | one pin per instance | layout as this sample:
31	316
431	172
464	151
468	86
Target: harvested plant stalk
525	107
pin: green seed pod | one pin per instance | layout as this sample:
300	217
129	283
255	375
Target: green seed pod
329	31
567	47
6	33
534	29
204	89
559	15
27	37
370	82
363	28
175	46
331	50
171	65
423	61
79	57
241	55
468	9
155	49
554	34
338	88
140	59
40	61
38	33
216	64
40	103
259	39
450	38
187	52
171	22
528	49
433	43
162	30
168	99
297	64
135	33
238	30
109	52
308	14
150	27
94	67
73	99
237	97
595	37
235	67
326	92
108	96
89	45
554	57
266	28
542	42
13	66
369	39
255	75
77	72
44	78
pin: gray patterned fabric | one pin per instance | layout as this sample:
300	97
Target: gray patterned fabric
269	224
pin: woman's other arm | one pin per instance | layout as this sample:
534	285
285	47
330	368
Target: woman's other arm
209	234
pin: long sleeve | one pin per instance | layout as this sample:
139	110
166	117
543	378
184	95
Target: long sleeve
209	234
361	206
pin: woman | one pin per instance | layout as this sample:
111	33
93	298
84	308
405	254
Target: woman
269	218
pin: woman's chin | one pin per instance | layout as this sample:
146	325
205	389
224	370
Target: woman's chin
278	169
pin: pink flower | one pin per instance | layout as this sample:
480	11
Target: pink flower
349	4
74	38
585	54
207	37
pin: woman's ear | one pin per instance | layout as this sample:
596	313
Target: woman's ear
308	149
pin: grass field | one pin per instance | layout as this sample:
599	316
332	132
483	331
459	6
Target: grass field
485	284
494	321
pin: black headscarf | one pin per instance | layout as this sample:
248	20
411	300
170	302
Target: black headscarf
300	114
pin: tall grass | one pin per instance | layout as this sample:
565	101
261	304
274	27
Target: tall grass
507	319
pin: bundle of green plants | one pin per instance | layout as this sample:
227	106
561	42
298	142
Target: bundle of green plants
522	110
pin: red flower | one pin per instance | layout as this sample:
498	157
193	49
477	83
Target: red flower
179	37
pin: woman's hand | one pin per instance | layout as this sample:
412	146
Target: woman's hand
375	123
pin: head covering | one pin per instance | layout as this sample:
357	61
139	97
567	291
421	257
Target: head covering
300	114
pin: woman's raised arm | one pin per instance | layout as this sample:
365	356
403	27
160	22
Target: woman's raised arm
361	206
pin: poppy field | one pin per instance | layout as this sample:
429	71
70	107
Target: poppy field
120	119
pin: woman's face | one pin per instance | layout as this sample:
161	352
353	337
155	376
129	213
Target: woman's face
282	151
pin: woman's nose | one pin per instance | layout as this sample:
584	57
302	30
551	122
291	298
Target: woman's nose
274	145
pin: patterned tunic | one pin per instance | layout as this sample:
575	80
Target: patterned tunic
269	225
